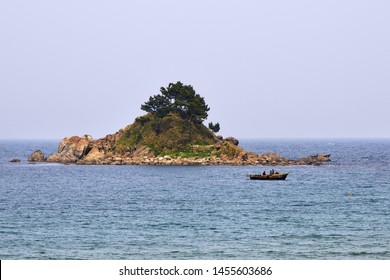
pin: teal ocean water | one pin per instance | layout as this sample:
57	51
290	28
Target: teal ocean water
53	211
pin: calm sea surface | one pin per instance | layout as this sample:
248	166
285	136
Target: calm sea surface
53	211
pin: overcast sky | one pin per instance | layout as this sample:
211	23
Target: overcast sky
267	69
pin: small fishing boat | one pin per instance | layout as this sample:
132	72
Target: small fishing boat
275	176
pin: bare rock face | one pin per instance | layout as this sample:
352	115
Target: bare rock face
88	137
271	158
56	157
232	140
70	150
94	156
314	160
323	158
37	156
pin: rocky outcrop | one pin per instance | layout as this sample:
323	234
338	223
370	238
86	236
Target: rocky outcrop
274	159
37	156
94	156
140	143
70	150
232	140
84	150
317	159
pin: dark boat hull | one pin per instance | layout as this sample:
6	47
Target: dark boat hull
269	177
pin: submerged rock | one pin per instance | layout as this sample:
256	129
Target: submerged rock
14	160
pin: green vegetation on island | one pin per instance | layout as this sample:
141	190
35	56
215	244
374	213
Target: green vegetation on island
170	133
173	125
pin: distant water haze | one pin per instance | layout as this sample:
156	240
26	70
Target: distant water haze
267	69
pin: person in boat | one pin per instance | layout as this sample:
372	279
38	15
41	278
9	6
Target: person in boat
264	173
272	172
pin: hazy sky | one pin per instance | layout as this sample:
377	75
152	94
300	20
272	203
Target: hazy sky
266	68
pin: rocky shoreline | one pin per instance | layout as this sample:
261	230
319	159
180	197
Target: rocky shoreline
86	151
170	133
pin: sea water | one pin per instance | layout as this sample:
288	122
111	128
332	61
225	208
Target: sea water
339	210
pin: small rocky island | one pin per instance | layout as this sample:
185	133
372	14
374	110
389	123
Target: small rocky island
171	133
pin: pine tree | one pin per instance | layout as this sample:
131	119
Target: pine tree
214	127
178	98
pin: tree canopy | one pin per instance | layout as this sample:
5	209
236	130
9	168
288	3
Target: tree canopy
214	127
178	98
